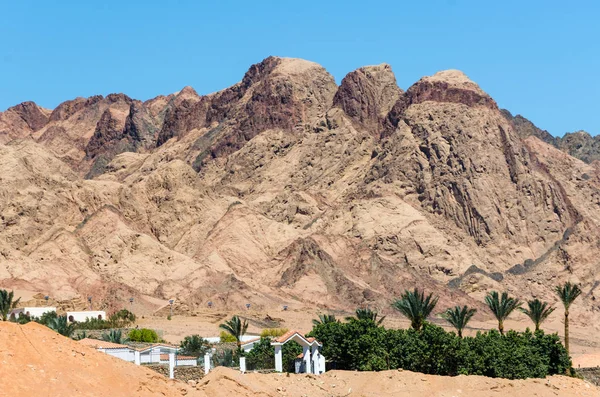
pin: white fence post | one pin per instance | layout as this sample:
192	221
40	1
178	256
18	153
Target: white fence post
278	359
206	364
138	360
171	365
243	365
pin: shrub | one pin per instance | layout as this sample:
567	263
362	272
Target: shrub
194	345
94	323
262	356
362	345
121	319
273	332
143	335
226	337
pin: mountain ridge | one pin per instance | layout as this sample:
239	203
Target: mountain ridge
293	189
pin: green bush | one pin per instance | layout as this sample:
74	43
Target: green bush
93	323
262	355
362	345
226	337
194	345
143	335
121	319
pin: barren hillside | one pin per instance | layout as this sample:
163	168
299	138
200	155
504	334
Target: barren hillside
286	188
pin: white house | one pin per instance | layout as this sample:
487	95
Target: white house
114	349
249	344
82	316
31	311
151	354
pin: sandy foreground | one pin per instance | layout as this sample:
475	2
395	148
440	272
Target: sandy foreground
35	361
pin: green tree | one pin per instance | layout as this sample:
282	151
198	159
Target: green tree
365	314
416	306
537	311
62	326
235	327
194	345
7	303
567	293
114	336
262	355
324	319
459	317
501	307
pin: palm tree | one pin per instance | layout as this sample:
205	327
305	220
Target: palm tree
567	293
114	336
502	307
7	303
325	319
415	306
537	311
366	314
459	317
62	326
235	327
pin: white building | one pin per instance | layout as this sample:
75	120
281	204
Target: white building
152	354
249	344
123	352
155	354
82	316
31	311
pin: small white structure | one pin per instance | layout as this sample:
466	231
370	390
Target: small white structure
82	316
310	347
249	344
33	312
180	361
243	339
152	354
113	349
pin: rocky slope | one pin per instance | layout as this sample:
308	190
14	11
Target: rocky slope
578	144
286	188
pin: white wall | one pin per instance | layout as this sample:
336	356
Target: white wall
217	339
186	362
124	353
82	316
33	311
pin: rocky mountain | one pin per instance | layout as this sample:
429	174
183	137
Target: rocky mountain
578	144
286	188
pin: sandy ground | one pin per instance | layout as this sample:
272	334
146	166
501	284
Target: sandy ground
585	339
223	382
36	361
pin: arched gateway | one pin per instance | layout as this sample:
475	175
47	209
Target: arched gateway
314	362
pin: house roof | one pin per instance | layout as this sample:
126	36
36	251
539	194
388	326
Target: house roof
165	357
290	334
250	341
100	344
143	349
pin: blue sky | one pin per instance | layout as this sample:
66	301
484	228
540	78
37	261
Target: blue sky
537	58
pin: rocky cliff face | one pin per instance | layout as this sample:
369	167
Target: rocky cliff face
578	144
288	188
